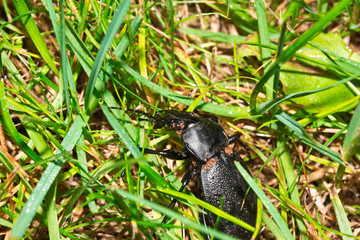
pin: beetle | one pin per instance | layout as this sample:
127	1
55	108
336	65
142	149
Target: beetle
206	142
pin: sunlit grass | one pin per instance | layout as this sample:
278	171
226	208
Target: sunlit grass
71	168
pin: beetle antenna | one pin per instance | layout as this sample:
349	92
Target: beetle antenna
150	117
148	120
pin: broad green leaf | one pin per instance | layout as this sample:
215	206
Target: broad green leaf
247	50
291	50
331	42
297	78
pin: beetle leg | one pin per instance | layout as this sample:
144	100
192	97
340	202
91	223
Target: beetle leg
203	221
168	153
236	137
184	182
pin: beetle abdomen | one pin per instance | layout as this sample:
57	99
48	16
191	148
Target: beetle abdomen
222	179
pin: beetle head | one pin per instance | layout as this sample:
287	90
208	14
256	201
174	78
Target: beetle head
176	120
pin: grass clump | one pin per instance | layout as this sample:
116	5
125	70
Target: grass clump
284	74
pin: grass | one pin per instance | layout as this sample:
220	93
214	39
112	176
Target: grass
281	73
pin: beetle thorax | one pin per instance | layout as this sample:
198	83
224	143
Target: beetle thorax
204	139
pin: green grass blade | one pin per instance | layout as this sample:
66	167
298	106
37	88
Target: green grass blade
112	30
34	33
129	143
300	133
266	202
341	216
85	57
10	127
240	18
116	125
64	67
218	61
10	167
291	11
5	223
45	182
80	152
352	137
209	207
229	111
11	68
300	211
124	43
273	227
285	161
37	138
264	40
174	215
170	8
84	13
351	143
68	85
51	213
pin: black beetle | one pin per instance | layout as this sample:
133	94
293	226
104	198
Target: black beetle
207	143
